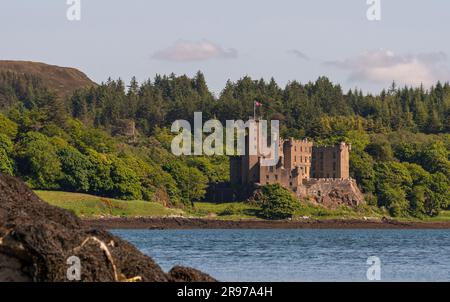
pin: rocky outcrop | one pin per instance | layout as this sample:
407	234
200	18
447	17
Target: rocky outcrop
332	193
38	241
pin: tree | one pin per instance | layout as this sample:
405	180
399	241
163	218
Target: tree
440	186
191	182
393	198
278	202
38	161
6	162
380	149
126	183
8	127
362	169
435	158
76	169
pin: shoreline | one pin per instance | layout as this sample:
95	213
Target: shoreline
180	223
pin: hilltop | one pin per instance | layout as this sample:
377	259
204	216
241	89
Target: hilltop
63	80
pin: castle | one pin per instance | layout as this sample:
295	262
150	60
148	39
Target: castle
319	172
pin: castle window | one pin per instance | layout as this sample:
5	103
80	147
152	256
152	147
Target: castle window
295	159
276	177
290	183
334	166
267	176
334	155
301	158
301	149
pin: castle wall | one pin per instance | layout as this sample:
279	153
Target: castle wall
331	162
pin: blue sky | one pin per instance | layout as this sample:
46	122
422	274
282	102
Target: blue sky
286	39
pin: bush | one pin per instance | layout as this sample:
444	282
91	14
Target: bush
278	202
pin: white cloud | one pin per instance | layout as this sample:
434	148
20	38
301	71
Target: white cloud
384	66
185	51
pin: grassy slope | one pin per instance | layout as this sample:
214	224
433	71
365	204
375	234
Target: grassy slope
245	210
85	205
89	206
63	80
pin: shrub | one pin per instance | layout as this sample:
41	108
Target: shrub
278	202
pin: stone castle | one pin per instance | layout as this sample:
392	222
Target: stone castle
317	172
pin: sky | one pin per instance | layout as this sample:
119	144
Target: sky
284	39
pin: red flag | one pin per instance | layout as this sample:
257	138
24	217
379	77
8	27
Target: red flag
258	104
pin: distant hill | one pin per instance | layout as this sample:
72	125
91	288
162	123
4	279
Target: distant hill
63	80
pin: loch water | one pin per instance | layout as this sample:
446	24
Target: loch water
300	255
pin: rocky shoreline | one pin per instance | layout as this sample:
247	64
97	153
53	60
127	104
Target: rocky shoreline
42	243
202	223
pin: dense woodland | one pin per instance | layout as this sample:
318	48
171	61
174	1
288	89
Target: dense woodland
400	138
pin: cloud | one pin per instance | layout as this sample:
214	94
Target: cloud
298	54
186	51
384	66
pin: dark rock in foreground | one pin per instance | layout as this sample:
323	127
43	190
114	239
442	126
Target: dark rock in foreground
36	241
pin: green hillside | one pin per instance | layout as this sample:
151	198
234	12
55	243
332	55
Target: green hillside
77	143
88	206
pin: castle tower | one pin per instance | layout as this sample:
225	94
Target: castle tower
298	155
331	162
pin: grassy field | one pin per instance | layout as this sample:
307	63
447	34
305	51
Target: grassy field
89	206
245	210
85	205
443	216
234	210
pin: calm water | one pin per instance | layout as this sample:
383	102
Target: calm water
300	255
